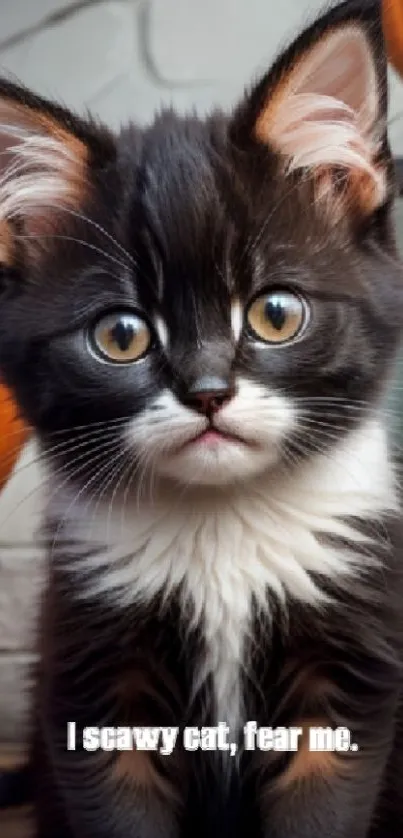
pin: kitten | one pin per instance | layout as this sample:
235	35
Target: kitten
200	320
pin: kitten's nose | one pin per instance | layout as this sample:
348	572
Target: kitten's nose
208	394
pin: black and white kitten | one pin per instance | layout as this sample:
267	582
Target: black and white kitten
199	320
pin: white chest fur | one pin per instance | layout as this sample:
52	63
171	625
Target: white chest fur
225	547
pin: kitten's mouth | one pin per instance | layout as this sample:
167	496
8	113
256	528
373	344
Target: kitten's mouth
213	436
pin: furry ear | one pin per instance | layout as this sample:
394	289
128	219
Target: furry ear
45	158
322	109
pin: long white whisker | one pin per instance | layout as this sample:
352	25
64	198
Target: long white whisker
83	490
134	470
84	456
64	447
104	232
89	245
118	468
126	470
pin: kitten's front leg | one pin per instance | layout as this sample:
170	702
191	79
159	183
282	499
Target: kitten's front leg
93	796
319	793
100	794
324	795
105	796
100	670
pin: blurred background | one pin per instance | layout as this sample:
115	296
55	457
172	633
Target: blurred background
122	59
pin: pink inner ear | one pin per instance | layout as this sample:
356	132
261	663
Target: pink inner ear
341	67
324	114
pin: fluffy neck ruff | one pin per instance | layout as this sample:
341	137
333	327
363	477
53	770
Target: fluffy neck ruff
220	550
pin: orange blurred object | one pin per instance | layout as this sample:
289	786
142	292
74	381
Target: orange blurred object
13	434
392	11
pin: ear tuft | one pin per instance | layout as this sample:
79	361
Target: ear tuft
45	166
323	116
44	163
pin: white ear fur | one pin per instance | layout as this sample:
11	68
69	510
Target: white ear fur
324	115
42	166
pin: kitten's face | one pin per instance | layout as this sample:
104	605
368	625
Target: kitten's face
217	303
224	336
257	331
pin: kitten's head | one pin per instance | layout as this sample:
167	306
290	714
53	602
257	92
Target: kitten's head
205	300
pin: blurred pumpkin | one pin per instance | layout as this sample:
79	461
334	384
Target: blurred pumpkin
392	11
13	434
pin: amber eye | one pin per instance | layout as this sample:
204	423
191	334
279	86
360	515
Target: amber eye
278	317
121	338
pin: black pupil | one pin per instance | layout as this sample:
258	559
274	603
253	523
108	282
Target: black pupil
122	334
276	312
